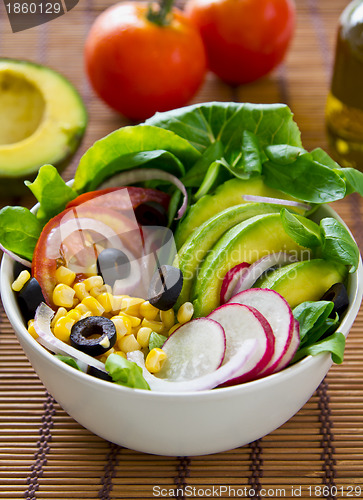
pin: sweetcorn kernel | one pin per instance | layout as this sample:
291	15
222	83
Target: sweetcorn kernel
63	295
31	329
155	360
128	343
80	289
148	311
106	301
20	281
92	282
117	302
185	312
121	353
62	328
82	308
122	325
97	290
134	320
74	314
156	326
173	328
167	318
143	336
65	275
93	305
61	311
131	305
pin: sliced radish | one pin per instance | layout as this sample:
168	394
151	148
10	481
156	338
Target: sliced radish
259	267
293	347
230	281
205	382
277	312
43	317
242	323
193	350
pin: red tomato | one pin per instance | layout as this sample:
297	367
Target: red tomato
244	39
139	67
110	211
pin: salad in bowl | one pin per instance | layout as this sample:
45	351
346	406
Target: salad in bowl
192	260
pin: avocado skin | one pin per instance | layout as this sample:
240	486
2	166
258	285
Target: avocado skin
12	185
304	281
247	242
206	236
226	195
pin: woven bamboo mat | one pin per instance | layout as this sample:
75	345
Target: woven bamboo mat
45	454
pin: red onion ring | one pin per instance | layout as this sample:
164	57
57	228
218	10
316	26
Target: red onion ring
13	255
276	201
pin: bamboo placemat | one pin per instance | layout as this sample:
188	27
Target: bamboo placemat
45	454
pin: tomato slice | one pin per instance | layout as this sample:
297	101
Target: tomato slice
91	222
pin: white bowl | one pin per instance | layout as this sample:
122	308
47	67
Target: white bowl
178	424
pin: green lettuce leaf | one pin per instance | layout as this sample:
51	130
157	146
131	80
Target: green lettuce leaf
68	360
302	230
51	191
338	244
131	147
19	231
156	340
335	344
125	372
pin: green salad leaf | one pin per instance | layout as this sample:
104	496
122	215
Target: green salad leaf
68	360
51	191
302	230
338	243
195	176
283	154
311	316
156	340
19	231
354	179
335	344
125	372
131	147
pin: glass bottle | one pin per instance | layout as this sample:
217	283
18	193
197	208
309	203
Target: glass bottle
344	108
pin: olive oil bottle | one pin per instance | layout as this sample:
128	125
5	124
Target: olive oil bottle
344	108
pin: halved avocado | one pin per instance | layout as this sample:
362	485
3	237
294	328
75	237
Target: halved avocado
42	120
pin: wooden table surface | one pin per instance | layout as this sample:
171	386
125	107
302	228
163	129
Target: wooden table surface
45	454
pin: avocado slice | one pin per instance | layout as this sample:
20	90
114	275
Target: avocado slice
42	120
204	237
226	195
247	242
303	281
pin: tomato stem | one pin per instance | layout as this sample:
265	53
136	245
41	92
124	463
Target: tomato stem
160	14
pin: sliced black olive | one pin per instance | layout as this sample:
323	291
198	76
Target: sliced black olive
18	268
151	213
95	372
29	298
165	287
113	265
339	296
93	325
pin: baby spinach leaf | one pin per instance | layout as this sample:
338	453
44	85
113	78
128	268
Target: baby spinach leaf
131	147
51	191
156	340
125	372
335	344
251	155
311	314
209	179
19	231
283	154
68	360
305	179
194	177
338	244
302	230
322	157
354	179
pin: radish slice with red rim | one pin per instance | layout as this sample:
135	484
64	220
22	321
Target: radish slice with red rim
193	350
230	281
279	315
43	318
202	383
242	323
291	351
258	268
147	174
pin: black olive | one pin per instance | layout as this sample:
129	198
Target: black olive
93	325
113	265
339	296
151	213
95	372
29	298
18	268
165	287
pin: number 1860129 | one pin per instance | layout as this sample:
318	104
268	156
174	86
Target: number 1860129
33	8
